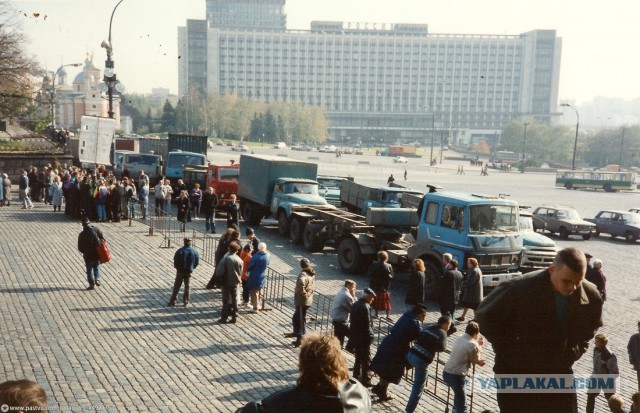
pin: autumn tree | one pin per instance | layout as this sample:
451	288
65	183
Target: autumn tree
16	70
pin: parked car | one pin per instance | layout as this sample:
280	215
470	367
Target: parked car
617	224
564	221
400	159
241	148
229	143
636	210
219	143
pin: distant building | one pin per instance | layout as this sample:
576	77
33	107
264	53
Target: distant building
376	82
81	98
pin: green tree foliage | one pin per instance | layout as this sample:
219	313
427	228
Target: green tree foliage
545	143
232	116
608	147
16	70
168	121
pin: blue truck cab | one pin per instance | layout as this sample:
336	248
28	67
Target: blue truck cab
176	160
466	226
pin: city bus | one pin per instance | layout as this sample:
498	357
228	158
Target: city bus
609	181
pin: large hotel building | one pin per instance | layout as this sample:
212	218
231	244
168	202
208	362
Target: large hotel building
378	82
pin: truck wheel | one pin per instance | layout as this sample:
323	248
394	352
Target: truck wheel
311	239
596	233
296	230
586	236
630	237
564	233
251	213
349	256
283	224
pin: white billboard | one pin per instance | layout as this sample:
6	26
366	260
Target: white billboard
96	139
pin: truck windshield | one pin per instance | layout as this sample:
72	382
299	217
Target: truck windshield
178	160
142	159
329	183
300	188
526	223
483	218
228	174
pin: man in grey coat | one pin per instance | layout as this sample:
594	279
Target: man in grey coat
229	272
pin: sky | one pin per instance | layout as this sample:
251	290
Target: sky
600	56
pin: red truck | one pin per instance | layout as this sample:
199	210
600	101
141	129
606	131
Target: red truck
223	178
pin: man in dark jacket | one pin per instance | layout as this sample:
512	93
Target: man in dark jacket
432	340
633	349
233	212
88	242
318	389
251	234
449	288
361	336
209	203
185	260
23	186
391	357
541	324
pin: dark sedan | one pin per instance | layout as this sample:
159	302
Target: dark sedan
617	224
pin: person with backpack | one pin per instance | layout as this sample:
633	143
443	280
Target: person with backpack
432	340
100	195
88	241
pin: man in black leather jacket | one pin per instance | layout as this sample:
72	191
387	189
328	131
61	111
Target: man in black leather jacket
319	389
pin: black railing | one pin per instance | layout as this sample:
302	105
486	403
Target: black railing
278	293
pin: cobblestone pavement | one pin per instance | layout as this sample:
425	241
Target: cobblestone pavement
118	348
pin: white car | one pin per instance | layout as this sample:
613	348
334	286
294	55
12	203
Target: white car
241	148
400	159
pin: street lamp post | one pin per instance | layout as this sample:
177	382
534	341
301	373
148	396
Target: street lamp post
524	146
621	146
53	92
110	80
575	143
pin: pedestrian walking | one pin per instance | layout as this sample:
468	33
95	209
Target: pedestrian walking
448	289
341	308
604	362
303	299
361	336
88	242
390	359
257	273
183	210
185	261
55	194
381	274
209	203
405	174
233	212
6	186
143	197
633	348
229	272
542	324
431	340
23	186
466	350
597	277
159	194
416	287
390	179
472	291
195	197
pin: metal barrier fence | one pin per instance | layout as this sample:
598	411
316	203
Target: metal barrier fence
279	292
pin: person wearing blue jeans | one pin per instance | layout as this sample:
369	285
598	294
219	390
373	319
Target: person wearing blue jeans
432	340
466	350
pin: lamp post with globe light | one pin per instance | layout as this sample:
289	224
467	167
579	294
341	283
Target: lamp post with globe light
110	81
